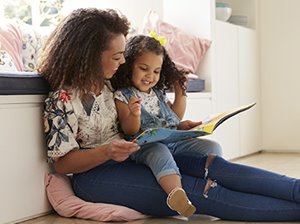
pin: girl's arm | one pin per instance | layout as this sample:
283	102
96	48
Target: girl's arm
179	104
77	161
129	115
187	124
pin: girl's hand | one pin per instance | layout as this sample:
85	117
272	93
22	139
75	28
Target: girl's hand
134	105
120	150
187	125
179	90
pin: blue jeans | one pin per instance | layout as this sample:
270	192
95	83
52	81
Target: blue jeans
242	193
159	156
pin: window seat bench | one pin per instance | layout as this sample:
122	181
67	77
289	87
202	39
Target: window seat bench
22	146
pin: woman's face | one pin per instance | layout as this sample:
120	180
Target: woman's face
113	57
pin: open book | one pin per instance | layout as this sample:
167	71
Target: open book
207	127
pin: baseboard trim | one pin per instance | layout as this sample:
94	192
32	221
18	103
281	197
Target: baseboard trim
30	217
280	151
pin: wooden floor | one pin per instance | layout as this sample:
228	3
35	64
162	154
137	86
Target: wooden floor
284	163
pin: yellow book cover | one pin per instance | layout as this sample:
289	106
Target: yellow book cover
210	123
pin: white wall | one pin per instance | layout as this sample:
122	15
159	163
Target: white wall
135	10
280	73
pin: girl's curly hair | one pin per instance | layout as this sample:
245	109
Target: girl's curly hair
135	47
72	55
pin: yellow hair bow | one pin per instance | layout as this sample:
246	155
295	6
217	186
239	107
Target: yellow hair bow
161	39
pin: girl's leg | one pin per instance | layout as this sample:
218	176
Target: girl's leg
134	186
196	146
161	162
158	157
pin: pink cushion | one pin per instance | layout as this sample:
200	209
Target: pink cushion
65	203
186	50
6	62
11	42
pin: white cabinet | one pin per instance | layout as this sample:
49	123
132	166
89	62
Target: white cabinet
227	86
249	91
199	105
237	83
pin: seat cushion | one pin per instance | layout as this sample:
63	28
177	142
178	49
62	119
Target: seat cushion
22	83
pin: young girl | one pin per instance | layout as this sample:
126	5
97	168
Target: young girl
142	104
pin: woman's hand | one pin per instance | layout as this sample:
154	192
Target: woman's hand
187	125
77	161
120	150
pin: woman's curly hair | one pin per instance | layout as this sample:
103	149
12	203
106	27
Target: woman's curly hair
72	54
135	47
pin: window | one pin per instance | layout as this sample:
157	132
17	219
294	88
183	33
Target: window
40	14
23	40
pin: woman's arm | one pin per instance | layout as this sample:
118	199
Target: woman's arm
77	161
179	104
129	115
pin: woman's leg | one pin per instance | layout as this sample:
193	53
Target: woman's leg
253	180
134	186
191	155
240	177
123	183
227	204
191	164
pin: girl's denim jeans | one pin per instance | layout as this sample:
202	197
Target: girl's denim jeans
240	193
160	157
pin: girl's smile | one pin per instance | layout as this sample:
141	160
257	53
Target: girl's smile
146	71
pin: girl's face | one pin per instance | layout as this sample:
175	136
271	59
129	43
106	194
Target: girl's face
146	71
113	57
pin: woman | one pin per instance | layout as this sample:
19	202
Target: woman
82	136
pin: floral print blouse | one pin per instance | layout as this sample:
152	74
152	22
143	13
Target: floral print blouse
73	122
